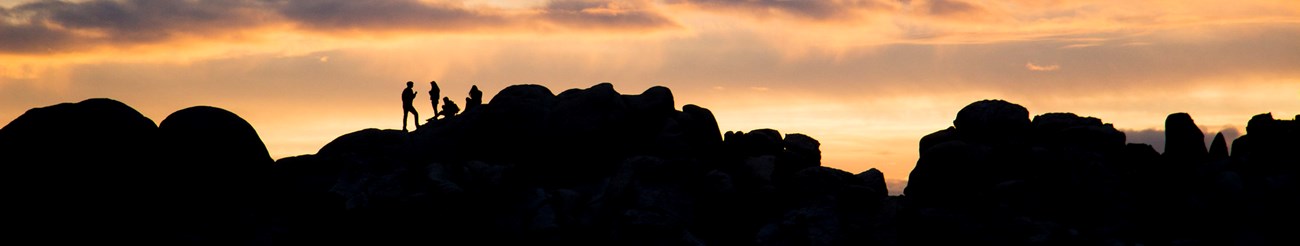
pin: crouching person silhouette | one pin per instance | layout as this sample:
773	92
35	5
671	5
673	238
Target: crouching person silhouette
449	109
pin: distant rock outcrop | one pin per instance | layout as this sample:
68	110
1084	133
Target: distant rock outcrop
996	178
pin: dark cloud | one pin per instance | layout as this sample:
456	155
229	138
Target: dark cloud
56	26
817	10
146	20
61	26
33	39
334	15
609	14
953	9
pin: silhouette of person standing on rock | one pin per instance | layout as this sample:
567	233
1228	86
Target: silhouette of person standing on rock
434	93
475	98
449	108
408	96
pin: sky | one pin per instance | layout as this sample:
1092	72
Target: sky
867	78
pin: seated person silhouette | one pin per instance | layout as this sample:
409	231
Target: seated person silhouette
449	109
408	96
475	98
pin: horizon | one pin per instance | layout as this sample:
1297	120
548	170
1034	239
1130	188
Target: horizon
866	80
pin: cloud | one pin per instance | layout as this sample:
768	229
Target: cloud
1153	137
605	14
61	26
815	10
30	39
1033	67
1082	45
55	26
953	8
349	15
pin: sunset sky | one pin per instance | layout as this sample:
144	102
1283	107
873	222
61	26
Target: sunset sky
867	78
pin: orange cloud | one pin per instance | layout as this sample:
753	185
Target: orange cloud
1033	67
629	15
813	10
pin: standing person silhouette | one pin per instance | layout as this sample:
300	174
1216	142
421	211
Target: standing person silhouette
434	93
408	96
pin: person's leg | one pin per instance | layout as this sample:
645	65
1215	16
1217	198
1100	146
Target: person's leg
417	118
403	119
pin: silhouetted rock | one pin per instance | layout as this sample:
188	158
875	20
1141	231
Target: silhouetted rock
83	172
822	206
220	166
1068	129
596	167
801	152
700	130
875	180
991	121
941	136
368	142
654	102
1219	148
1007	184
1183	139
948	173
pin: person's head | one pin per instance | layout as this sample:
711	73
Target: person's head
446	99
409	84
433	82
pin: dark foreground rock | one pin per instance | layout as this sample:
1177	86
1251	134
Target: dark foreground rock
99	172
596	167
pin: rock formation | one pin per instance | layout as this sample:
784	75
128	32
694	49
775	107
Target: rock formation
596	167
99	171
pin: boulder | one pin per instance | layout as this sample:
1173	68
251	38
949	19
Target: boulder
801	152
875	180
700	130
368	142
88	169
655	102
994	121
949	174
1183	139
759	142
932	139
230	146
1219	148
513	122
221	168
1069	130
